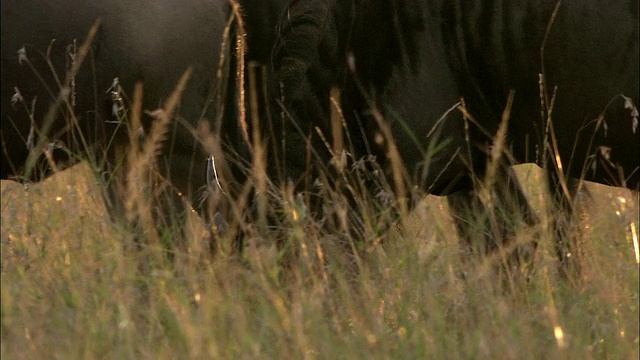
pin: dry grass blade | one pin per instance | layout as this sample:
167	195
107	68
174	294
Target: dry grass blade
163	118
140	173
498	148
259	171
241	50
547	104
135	173
336	129
397	165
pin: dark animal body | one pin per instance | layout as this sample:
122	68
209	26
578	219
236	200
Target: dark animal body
410	59
421	57
414	60
588	55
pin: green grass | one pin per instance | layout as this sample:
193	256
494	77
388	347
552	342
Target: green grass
74	286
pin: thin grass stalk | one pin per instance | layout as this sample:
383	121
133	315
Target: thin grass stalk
495	161
259	154
134	198
336	129
397	166
241	50
62	98
141	174
547	106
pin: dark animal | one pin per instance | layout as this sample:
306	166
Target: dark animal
408	60
572	67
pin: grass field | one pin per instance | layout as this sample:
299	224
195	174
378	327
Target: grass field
74	286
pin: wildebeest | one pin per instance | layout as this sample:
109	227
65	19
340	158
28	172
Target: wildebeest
405	63
572	67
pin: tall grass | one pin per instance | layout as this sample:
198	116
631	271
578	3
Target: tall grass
77	285
74	287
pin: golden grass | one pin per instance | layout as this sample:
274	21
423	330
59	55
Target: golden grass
73	287
77	285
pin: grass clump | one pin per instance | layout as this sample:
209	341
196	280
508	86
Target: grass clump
74	287
77	285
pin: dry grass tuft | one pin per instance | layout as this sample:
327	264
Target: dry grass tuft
73	287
